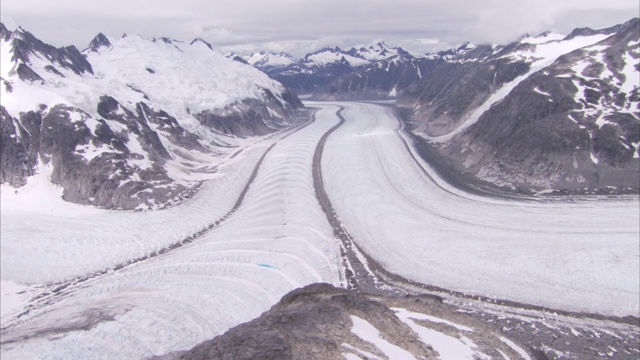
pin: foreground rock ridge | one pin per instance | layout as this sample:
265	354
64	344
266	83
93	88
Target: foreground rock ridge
127	123
544	114
320	321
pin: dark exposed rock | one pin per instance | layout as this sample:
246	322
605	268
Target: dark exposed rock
555	130
201	40
26	74
4	32
98	42
17	161
240	60
309	323
252	117
53	70
116	158
25	45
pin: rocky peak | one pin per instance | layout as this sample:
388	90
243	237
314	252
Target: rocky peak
24	44
99	41
585	31
201	40
4	32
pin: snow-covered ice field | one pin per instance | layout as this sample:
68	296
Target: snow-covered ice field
579	256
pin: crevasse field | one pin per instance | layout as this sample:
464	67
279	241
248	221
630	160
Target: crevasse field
581	255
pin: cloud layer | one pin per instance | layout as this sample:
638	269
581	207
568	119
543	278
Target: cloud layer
299	26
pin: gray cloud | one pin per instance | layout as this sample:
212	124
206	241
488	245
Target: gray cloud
300	26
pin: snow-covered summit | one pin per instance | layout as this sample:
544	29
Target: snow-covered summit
132	102
265	59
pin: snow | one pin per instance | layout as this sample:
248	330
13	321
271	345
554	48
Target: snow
23	97
541	92
327	57
90	151
448	347
579	67
269	60
419	316
136	148
579	256
14	297
632	78
543	39
367	332
377	51
186	77
350	356
367	355
515	347
187	295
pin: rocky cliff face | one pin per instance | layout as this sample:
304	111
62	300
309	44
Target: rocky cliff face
123	123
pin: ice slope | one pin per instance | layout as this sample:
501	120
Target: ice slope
276	241
579	255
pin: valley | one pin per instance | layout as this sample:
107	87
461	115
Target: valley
545	257
161	200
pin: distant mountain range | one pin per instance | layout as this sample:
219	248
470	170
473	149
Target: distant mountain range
123	123
551	112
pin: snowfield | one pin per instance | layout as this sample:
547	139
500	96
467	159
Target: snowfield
580	255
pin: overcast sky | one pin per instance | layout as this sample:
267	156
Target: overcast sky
300	26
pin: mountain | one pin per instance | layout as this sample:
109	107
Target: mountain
541	114
550	113
266	60
317	70
129	123
320	321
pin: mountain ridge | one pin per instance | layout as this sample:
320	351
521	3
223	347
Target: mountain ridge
123	113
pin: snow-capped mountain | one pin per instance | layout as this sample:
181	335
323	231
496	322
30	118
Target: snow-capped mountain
316	70
479	103
265	60
543	113
130	122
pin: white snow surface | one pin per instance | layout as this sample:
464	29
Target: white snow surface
269	59
448	347
367	332
14	297
516	348
580	256
543	38
276	241
330	56
419	316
